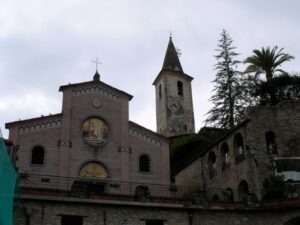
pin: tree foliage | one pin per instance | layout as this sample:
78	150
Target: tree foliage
267	61
227	108
281	88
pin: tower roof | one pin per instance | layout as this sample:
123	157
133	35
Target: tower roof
171	61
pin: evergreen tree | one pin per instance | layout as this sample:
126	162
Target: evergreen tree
228	108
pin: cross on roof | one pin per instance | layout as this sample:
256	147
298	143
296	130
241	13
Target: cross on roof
97	62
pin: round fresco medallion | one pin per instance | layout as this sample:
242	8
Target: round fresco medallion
96	103
95	131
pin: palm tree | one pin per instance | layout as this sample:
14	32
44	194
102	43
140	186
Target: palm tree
267	61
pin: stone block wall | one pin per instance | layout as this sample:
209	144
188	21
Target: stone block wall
50	213
257	163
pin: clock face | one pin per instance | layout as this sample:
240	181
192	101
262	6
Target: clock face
95	131
93	170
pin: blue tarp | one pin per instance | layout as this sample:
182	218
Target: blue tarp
8	179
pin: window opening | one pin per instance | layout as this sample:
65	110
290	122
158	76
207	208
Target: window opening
144	164
238	144
212	167
225	157
271	144
71	220
159	91
37	155
180	88
154	222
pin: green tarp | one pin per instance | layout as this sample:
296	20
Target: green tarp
8	179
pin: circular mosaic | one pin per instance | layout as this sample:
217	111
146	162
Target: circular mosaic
96	103
95	131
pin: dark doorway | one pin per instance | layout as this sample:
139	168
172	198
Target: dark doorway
71	220
154	222
243	191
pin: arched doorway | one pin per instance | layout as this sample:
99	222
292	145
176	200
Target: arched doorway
228	195
92	180
243	190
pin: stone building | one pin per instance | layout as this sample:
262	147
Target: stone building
174	102
238	163
90	165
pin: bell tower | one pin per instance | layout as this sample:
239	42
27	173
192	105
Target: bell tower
174	102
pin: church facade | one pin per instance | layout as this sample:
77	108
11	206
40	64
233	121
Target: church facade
90	165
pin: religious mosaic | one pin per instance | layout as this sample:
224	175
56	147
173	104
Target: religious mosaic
95	131
93	170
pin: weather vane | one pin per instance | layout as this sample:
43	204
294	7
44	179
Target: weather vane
97	62
171	33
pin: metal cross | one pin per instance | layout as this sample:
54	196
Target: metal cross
171	34
97	62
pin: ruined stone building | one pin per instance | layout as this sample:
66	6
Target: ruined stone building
90	165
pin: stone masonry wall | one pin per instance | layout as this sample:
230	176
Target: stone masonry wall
49	213
258	164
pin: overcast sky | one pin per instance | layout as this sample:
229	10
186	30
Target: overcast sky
45	44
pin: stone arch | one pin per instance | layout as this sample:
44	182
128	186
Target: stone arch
243	190
94	170
238	145
212	167
225	159
271	142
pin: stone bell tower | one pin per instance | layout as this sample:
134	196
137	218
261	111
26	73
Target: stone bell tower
174	102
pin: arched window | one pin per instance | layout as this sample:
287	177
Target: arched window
144	164
180	88
239	150
159	91
212	168
271	144
38	155
93	170
225	156
243	190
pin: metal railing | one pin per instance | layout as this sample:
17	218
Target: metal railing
54	186
34	184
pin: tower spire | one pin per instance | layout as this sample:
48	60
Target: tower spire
171	61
